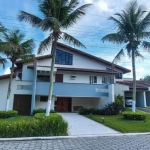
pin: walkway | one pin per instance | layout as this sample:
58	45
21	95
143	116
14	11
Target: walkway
79	125
140	142
143	109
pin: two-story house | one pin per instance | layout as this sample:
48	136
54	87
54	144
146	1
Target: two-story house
80	80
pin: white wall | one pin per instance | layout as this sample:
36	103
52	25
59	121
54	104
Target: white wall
119	89
27	74
39	104
85	102
4	88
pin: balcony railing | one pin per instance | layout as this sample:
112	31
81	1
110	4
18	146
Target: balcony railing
24	87
73	89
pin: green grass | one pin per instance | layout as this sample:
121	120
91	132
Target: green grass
118	123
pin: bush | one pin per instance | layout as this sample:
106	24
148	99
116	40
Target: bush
87	111
112	108
8	114
134	115
119	99
41	110
39	125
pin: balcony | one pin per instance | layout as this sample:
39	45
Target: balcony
73	89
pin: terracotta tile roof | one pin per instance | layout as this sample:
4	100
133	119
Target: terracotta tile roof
78	69
6	76
139	84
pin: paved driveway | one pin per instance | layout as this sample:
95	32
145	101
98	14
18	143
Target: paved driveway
81	126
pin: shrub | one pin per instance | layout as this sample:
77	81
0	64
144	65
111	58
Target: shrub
119	99
86	111
41	110
113	108
8	114
134	115
39	125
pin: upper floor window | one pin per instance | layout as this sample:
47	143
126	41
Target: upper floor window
93	79
63	58
118	75
107	80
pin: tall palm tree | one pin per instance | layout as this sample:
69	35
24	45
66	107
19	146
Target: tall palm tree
132	28
57	16
14	47
2	60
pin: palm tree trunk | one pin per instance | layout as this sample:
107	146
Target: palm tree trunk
9	87
134	81
54	45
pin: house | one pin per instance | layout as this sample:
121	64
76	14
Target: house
80	80
124	87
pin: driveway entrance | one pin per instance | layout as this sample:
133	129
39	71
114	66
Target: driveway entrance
79	125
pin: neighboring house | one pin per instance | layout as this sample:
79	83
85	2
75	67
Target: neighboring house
124	87
80	80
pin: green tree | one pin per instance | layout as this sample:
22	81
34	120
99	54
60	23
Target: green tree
58	15
2	60
132	26
146	78
14	47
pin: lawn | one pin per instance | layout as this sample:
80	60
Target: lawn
118	123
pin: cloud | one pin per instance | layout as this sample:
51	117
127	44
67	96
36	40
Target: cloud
7	71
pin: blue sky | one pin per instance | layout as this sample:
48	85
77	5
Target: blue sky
89	30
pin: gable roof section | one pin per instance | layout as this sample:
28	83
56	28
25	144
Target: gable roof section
92	57
6	76
124	70
141	85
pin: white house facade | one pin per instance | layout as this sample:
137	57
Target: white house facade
80	80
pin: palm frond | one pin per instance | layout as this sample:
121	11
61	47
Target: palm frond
118	57
145	23
73	16
3	61
28	46
32	19
137	54
2	28
115	38
146	45
50	23
71	39
45	45
143	35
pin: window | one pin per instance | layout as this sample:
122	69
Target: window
93	79
43	98
63	58
107	80
118	75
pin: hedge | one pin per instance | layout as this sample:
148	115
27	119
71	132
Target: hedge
41	110
8	114
134	115
39	125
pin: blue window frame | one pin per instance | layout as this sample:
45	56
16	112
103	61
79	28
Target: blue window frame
63	58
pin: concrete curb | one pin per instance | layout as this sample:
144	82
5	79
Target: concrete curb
69	137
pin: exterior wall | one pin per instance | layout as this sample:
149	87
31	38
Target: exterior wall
3	92
148	98
85	102
119	89
27	74
140	99
39	104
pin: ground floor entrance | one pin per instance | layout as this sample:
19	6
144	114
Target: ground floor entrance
22	103
64	104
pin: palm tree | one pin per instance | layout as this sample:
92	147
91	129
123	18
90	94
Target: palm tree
132	28
14	47
2	60
58	15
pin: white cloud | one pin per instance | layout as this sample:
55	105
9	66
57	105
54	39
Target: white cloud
7	71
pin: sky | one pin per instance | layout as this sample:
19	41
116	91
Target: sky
89	29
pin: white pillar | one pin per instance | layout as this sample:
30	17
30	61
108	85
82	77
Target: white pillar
144	99
111	93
